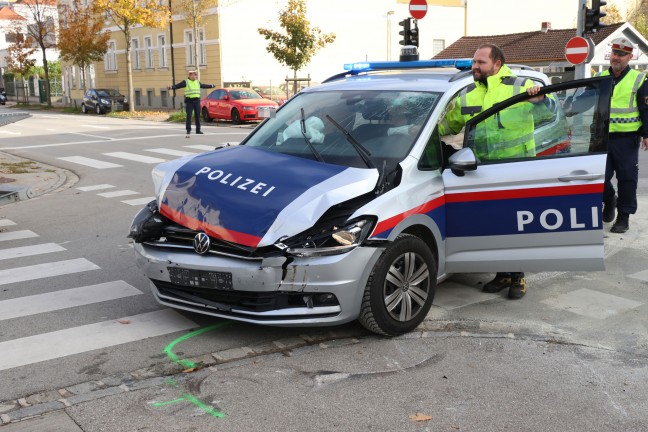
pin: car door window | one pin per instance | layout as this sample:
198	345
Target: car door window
565	123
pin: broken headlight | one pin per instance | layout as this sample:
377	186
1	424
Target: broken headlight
330	241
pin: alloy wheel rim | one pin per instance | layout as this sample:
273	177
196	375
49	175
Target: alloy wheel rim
406	287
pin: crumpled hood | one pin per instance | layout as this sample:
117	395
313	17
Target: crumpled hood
254	197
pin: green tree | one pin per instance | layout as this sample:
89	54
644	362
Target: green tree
82	41
638	17
42	30
299	43
193	12
612	14
20	55
127	14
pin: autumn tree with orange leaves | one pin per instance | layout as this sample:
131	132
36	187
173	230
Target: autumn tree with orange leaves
20	55
82	41
127	14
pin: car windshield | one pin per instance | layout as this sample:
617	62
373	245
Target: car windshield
108	92
244	94
328	126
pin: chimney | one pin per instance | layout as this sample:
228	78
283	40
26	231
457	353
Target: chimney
546	26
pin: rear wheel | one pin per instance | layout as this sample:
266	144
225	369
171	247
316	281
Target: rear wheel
205	115
400	290
236	117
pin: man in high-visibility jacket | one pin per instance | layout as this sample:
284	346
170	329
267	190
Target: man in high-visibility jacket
509	134
192	98
628	123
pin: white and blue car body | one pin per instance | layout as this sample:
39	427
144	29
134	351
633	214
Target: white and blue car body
347	204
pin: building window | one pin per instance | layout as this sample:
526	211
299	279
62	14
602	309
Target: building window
135	58
149	97
189	48
202	54
110	58
164	95
438	45
138	97
148	52
163	50
73	81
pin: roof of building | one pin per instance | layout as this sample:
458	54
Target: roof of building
528	47
6	13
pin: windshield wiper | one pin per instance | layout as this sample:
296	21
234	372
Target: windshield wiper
363	152
318	156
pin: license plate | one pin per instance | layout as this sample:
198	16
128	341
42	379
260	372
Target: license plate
201	278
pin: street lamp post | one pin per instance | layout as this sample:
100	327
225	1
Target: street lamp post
389	26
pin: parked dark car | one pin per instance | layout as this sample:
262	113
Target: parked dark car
102	101
3	96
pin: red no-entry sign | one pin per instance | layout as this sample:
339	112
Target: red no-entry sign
577	50
418	8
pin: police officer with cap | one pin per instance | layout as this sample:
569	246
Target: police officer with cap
192	98
628	124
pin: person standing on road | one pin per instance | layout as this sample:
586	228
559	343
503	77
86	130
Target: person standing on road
628	124
495	82
192	98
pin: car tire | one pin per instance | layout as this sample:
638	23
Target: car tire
84	108
98	109
205	115
236	117
400	289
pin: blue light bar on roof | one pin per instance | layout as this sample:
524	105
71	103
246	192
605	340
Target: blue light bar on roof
417	64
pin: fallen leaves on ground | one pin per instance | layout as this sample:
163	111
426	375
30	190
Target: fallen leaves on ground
420	417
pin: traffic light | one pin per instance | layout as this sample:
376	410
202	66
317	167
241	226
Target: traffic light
414	35
405	32
596	8
593	16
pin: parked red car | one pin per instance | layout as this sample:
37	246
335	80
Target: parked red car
235	104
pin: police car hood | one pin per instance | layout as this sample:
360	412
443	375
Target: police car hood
253	197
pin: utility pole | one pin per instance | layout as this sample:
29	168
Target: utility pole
173	79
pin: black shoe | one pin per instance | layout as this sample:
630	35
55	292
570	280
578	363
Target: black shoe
199	133
622	223
609	210
500	282
518	286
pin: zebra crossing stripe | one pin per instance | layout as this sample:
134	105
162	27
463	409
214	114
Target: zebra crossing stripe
24	251
93	163
139	201
201	147
17	235
95	187
77	340
64	299
117	193
171	152
39	271
6	222
135	157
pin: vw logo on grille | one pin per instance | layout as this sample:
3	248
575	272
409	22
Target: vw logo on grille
201	243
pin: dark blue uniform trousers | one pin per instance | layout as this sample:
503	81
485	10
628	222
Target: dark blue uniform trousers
192	106
622	162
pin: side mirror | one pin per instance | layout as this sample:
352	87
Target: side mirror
462	161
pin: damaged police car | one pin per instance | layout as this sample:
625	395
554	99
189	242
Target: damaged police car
347	203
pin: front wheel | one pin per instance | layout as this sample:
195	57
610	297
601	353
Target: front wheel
97	109
84	108
400	289
236	117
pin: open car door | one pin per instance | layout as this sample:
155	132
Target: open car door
529	198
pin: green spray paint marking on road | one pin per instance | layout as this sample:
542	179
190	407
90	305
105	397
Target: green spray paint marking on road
194	400
188	364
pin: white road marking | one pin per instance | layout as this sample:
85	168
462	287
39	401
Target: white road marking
201	147
171	152
139	201
17	235
6	222
95	187
591	303
149	137
135	157
57	300
39	271
94	163
76	340
117	193
24	251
